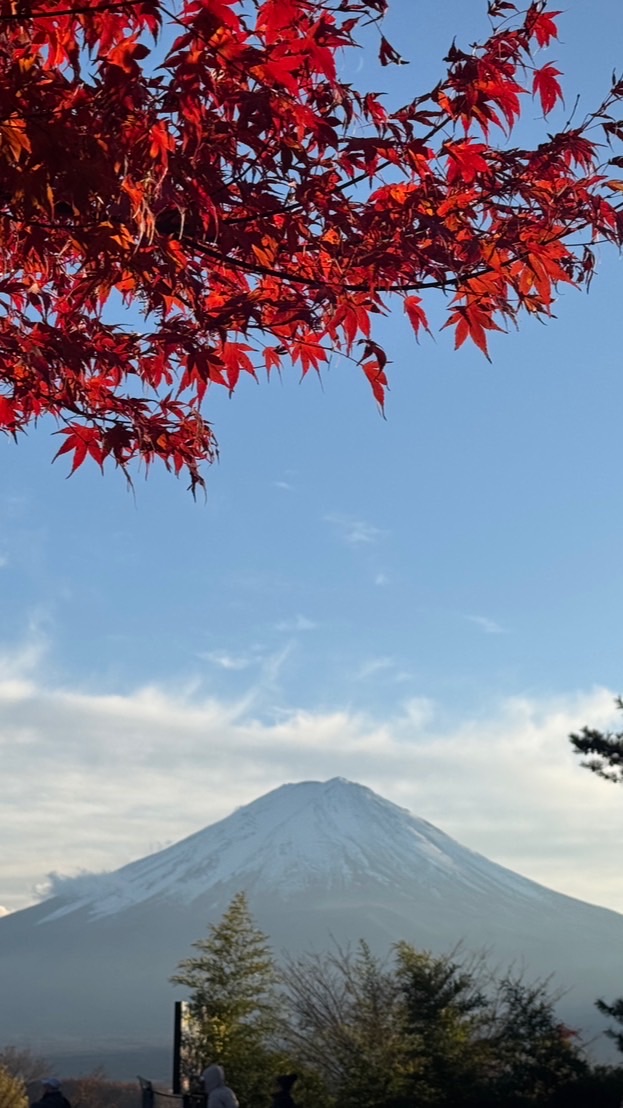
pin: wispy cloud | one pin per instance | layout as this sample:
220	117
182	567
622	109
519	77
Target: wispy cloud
354	531
225	660
373	667
489	626
167	760
20	662
285	485
298	623
272	667
389	669
381	579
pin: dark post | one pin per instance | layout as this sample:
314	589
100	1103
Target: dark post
177	1048
147	1093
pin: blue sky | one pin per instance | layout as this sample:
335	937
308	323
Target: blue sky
426	604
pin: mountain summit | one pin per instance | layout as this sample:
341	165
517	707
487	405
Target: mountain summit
328	837
320	862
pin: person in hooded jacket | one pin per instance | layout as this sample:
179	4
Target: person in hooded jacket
282	1097
52	1096
218	1094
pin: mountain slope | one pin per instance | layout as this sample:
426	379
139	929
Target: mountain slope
89	968
337	835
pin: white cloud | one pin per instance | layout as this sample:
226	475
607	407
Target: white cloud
356	532
489	626
381	579
157	763
374	666
4	911
273	665
299	623
225	660
385	667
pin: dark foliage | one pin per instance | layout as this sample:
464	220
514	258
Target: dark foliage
603	750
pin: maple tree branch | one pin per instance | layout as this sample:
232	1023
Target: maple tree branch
363	176
442	283
256	117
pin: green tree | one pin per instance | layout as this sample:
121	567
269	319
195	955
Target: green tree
445	1016
428	1031
532	1054
615	1012
12	1091
603	750
234	1003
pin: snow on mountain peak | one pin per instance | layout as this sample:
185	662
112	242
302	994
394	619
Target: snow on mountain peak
334	835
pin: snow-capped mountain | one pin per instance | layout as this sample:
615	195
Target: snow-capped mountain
335	836
88	969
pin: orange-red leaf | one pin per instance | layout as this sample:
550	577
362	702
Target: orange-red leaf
82	441
378	380
542	25
472	321
7	412
465	161
309	352
416	314
236	361
545	85
272	358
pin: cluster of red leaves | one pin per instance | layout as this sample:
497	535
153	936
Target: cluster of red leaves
221	196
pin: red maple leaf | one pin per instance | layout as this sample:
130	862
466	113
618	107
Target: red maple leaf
7	413
465	161
378	380
416	314
545	85
541	24
82	441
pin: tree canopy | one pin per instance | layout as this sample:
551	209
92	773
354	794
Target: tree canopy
412	1030
602	749
426	1030
255	211
234	1004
